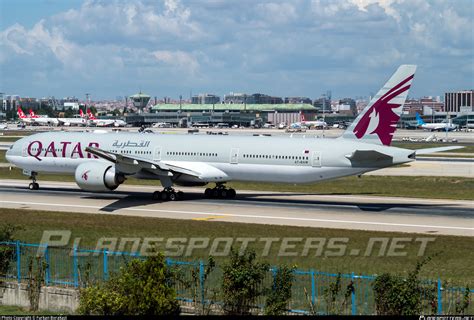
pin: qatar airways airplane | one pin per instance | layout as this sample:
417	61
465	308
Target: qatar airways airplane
103	161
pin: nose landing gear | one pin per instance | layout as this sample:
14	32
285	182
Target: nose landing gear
33	185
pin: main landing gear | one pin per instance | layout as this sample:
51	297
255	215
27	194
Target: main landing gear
220	192
168	194
33	185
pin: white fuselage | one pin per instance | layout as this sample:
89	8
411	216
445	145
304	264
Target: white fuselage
72	121
43	121
244	158
438	126
108	123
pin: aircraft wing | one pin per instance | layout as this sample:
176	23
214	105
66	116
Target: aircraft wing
129	164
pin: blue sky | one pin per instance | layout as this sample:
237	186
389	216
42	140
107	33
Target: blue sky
114	48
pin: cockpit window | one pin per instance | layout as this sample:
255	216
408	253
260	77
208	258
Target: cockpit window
11	147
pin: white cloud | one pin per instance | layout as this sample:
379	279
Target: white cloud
302	46
185	61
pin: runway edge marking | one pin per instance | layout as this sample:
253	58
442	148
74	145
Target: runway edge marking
243	215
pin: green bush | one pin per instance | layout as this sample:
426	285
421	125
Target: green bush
141	288
395	295
7	253
242	283
278	297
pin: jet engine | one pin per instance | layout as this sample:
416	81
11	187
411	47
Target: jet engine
97	176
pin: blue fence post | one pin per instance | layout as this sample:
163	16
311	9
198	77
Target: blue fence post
440	298
201	280
353	296
18	261
313	287
75	266
106	266
48	272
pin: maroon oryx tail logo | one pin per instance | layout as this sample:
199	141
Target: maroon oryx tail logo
382	110
85	175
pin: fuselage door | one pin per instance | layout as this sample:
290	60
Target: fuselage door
316	159
157	154
234	155
24	151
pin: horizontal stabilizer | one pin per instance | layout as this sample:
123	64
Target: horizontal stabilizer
368	156
437	149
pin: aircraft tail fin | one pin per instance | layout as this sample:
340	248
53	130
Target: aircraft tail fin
419	120
90	115
377	122
81	113
20	113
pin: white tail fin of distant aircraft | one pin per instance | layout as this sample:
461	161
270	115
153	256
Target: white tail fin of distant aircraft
378	121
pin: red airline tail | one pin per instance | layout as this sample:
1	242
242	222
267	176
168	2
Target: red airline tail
32	114
91	116
378	121
81	113
21	114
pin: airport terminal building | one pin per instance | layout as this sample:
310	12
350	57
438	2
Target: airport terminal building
232	114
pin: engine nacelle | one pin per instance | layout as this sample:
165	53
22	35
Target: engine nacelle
97	176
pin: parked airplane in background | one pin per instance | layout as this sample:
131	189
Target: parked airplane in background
101	162
36	119
35	116
42	119
105	122
309	124
441	126
77	121
22	116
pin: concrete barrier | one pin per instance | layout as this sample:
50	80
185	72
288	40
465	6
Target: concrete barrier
51	298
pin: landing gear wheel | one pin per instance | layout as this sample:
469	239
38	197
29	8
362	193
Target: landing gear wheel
173	196
220	192
231	194
157	195
33	186
164	196
223	193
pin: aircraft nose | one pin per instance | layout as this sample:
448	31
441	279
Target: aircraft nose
9	152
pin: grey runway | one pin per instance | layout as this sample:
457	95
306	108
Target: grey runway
328	211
